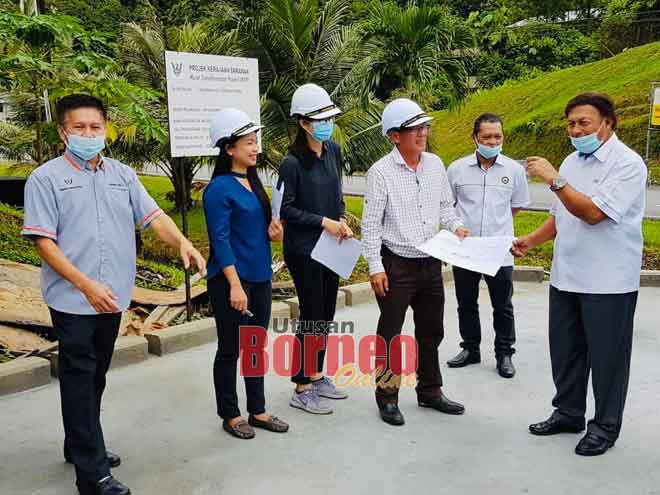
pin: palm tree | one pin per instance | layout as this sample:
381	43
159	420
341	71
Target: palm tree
17	144
304	41
416	51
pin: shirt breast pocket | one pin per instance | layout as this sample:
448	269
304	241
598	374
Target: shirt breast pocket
70	197
119	198
501	197
469	192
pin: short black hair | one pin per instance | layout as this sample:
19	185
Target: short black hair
78	100
489	118
602	102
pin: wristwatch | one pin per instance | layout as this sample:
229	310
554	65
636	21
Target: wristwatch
558	183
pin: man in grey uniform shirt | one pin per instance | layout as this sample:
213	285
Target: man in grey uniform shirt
81	209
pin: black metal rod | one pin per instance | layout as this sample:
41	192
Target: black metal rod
184	228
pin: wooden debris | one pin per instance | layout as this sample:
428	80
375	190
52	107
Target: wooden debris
21	302
132	321
44	352
171	314
19	340
23	306
155	315
277	266
20	275
160	298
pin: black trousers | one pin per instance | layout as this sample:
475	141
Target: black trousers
500	289
591	332
316	287
228	322
415	283
86	343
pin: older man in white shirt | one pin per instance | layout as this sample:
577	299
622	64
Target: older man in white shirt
489	189
596	223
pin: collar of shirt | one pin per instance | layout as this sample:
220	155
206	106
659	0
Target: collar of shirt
602	153
81	164
478	164
397	158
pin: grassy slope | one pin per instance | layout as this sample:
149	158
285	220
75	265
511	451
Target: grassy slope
533	110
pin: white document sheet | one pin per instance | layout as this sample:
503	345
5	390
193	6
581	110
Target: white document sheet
341	258
278	194
479	254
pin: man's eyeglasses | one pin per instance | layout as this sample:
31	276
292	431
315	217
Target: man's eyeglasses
418	129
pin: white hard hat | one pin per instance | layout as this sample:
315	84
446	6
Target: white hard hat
313	102
403	112
230	122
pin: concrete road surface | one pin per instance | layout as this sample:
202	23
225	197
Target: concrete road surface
160	416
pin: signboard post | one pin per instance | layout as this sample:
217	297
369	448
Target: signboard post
199	85
654	119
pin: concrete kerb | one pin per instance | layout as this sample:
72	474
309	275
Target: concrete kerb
129	349
23	374
181	337
528	274
358	293
650	278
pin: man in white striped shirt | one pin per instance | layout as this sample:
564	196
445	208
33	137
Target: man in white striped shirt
408	198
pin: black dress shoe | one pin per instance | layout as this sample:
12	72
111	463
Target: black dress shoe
391	414
442	404
505	367
552	426
111	486
113	459
464	358
591	444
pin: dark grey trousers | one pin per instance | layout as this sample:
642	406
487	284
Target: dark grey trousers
591	333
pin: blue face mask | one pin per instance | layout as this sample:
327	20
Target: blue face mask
587	144
85	147
322	129
489	152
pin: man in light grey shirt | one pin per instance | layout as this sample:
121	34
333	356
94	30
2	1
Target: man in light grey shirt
596	224
408	197
81	209
489	189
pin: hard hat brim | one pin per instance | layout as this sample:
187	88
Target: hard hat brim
419	121
326	115
240	133
249	130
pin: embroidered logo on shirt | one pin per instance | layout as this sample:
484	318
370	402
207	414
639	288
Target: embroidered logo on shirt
505	180
68	185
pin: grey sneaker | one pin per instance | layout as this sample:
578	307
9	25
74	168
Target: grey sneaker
309	401
325	388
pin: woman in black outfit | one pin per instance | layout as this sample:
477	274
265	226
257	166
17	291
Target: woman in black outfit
313	202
